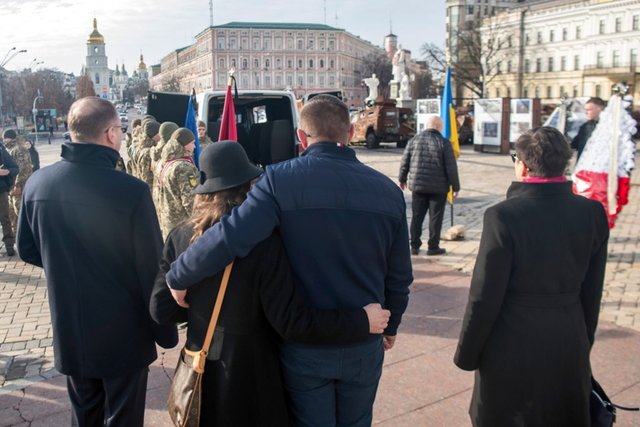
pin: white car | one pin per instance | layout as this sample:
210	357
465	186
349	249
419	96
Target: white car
124	117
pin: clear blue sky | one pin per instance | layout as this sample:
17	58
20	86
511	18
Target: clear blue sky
55	31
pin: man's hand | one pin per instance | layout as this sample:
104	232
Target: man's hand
454	194
378	318
4	172
179	296
388	341
16	192
403	185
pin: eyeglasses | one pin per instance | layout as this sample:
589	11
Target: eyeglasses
514	157
121	127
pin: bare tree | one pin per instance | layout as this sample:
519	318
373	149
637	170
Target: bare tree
378	63
477	60
22	88
422	86
84	87
171	83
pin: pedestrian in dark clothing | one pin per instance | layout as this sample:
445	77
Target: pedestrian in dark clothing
592	110
33	153
430	165
535	295
95	232
242	383
8	173
344	228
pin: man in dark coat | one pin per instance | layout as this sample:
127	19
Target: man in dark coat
95	232
535	295
8	172
592	110
344	229
430	164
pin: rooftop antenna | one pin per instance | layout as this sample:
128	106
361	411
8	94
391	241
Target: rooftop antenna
336	18
325	12
390	26
211	13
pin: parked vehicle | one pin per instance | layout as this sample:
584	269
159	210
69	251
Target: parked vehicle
383	122
266	120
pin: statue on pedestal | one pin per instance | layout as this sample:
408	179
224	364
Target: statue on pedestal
399	63
372	83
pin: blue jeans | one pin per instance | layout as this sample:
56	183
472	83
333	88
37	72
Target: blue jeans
333	386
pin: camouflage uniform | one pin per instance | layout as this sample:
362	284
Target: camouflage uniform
177	179
166	129
23	159
142	161
204	142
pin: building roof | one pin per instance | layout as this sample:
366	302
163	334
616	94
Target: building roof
278	26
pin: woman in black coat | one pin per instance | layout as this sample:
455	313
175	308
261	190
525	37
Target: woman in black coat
535	295
242	384
33	153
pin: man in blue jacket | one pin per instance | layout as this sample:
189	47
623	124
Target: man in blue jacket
8	172
345	231
94	231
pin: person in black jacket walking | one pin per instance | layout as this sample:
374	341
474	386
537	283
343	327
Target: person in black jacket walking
592	110
96	233
8	172
430	165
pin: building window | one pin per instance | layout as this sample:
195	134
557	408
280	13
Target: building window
256	63
497	92
278	63
289	80
322	43
311	45
311	63
576	62
527	39
245	43
539	37
578	32
289	43
232	43
332	81
279	44
618	25
635	22
499	68
245	63
233	63
563	63
551	35
562	94
322	63
469	9
267	82
267	63
97	78
537	92
332	45
221	43
289	63
599	60
565	33
598	91
332	64
615	61
299	63
221	63
508	66
310	81
256	43
300	42
267	44
575	91
508	92
527	65
550	63
278	81
300	81
549	92
525	92
538	65
601	26
510	41
633	57
321	81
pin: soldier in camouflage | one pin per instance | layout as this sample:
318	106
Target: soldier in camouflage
23	159
202	135
166	130
136	144
130	147
142	157
177	180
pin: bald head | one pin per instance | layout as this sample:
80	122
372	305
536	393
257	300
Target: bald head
434	122
89	117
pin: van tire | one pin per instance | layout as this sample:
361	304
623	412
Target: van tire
372	142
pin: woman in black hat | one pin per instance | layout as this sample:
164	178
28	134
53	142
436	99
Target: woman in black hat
242	383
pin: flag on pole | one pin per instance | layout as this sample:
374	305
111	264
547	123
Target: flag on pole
448	115
191	124
228	130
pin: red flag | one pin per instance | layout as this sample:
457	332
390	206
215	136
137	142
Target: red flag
228	130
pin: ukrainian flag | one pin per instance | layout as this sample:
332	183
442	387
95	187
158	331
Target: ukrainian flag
448	116
450	125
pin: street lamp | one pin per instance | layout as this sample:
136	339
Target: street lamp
35	113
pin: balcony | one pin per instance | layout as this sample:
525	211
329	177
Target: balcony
609	70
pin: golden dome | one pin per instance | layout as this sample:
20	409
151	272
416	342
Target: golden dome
142	65
95	37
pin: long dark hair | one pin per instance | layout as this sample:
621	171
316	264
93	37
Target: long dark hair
210	207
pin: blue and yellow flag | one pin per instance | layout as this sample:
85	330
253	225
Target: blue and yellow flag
448	116
191	123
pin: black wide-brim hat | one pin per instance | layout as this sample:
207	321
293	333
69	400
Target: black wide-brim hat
224	165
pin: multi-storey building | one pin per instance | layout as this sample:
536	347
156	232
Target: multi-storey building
568	48
301	57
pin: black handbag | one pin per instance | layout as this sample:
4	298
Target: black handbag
603	411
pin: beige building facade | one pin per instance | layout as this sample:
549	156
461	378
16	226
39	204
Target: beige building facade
567	48
300	57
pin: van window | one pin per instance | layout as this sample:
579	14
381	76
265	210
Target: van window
260	114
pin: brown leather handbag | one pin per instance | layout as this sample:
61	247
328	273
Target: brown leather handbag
186	387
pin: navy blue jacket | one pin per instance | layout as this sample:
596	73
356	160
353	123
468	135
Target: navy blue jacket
343	225
7	162
94	231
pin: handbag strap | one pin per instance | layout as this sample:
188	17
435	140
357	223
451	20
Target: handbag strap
201	356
